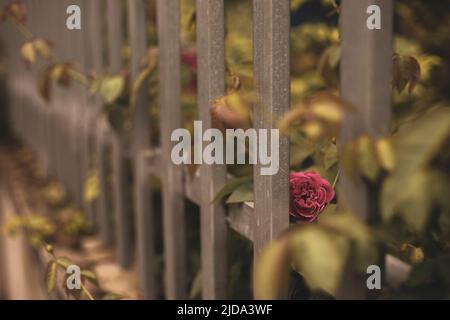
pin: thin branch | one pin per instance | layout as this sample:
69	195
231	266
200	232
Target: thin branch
86	291
336	179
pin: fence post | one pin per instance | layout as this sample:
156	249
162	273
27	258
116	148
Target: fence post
366	70
101	134
137	31
271	43
211	85
168	17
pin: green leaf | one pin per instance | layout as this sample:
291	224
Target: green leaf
230	186
242	193
111	88
320	257
50	276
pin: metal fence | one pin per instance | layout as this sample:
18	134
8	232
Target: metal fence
72	135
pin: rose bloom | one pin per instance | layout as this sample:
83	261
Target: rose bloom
309	195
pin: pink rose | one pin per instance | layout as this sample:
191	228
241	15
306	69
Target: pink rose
309	195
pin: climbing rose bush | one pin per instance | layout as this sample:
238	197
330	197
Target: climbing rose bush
309	195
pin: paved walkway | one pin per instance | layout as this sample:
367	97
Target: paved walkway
21	266
20	278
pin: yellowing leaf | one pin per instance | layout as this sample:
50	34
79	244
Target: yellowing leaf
320	257
413	254
15	10
91	187
414	147
414	199
348	224
313	130
271	271
232	111
94	86
50	276
43	47
196	288
386	154
49	248
289	119
54	193
64	262
230	186
242	193
330	156
112	296
328	112
138	83
112	88
61	73
296	4
329	63
90	276
348	160
366	158
28	52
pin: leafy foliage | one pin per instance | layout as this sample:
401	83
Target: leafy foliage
405	172
318	252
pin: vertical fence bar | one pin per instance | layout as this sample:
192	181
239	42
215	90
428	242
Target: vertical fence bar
61	106
115	32
138	43
101	134
145	241
168	15
144	217
211	85
137	30
79	95
72	112
271	28
114	12
366	84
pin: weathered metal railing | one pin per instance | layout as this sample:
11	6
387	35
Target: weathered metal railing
72	132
